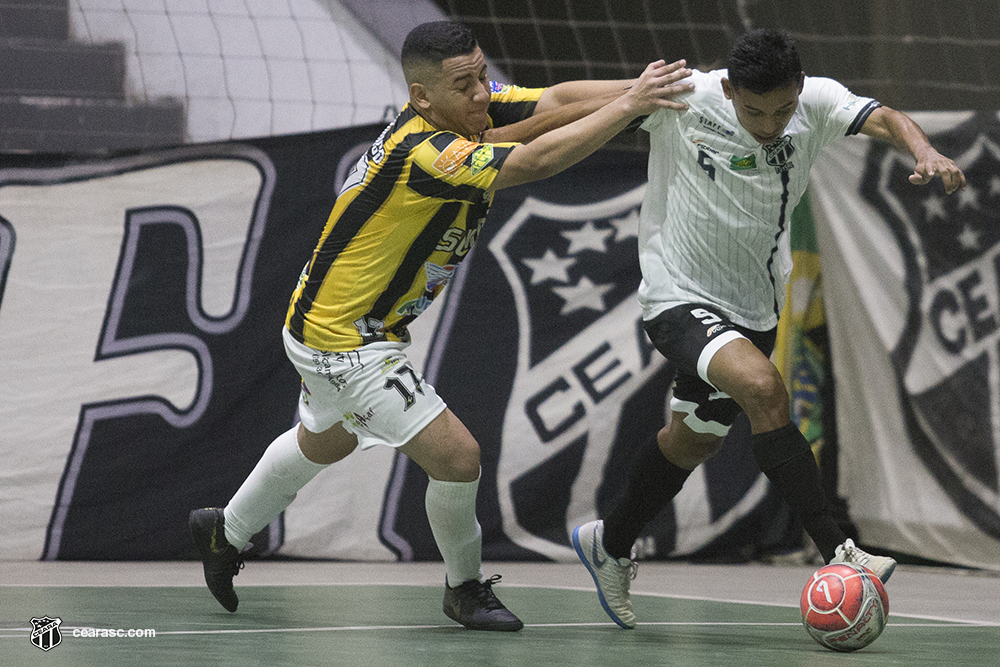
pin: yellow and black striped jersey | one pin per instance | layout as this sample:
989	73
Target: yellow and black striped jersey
407	215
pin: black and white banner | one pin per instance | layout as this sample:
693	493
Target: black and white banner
142	373
141	300
912	290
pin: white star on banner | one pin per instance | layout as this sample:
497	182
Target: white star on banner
934	207
626	226
587	237
549	266
585	294
968	197
969	238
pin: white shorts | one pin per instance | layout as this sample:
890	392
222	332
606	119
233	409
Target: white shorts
374	391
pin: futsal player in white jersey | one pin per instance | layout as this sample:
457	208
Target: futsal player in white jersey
724	177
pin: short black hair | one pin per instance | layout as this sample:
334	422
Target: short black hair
762	60
437	41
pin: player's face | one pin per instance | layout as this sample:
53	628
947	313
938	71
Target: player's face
764	116
459	96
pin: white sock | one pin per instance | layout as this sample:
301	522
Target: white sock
451	510
271	487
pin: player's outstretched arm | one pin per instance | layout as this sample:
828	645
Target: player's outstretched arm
562	147
570	92
901	131
538	124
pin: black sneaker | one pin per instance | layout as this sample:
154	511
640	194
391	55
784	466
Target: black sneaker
221	559
474	605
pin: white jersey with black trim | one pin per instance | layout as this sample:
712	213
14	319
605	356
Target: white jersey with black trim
715	214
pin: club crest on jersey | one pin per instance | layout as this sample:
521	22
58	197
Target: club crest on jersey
947	359
582	362
779	153
481	158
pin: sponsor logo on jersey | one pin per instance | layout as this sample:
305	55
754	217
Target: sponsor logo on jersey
370	329
437	278
459	240
377	150
716	329
705	147
452	157
746	163
947	359
851	102
359	421
717	128
482	157
414	306
388	363
497	87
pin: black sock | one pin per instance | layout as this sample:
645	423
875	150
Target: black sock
653	482
785	458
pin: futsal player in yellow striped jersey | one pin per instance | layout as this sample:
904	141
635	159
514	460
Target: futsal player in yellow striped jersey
408	214
406	217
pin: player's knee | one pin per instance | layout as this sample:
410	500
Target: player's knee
460	463
468	466
765	399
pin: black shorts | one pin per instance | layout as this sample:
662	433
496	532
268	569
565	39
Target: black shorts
688	336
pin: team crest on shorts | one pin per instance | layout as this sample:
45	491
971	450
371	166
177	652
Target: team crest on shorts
947	360
45	632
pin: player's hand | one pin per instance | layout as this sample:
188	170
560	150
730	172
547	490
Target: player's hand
930	163
658	85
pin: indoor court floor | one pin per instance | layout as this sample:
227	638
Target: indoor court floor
301	614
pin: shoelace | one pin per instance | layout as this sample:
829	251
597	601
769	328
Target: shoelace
482	591
854	555
239	564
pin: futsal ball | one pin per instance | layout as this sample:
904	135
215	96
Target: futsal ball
844	606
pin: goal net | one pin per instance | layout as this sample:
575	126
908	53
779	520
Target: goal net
246	68
909	54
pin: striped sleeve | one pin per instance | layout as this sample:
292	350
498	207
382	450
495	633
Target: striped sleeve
833	109
510	104
448	166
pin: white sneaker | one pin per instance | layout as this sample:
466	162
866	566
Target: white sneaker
612	575
882	566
